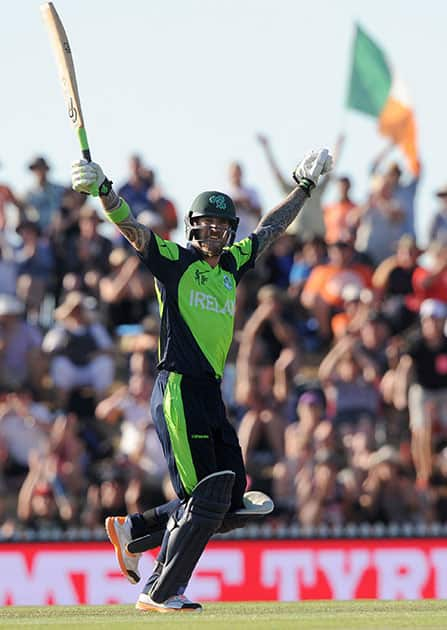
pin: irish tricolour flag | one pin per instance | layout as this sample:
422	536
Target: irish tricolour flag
374	89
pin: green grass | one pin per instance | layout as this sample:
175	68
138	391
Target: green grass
322	615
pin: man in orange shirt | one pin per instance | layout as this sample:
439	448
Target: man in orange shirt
322	293
338	216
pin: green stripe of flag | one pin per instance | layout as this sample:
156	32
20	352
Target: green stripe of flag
370	81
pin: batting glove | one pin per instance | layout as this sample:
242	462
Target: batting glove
308	171
88	177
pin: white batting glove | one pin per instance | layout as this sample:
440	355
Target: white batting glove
308	171
88	177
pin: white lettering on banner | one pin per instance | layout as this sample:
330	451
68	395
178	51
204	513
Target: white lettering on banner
287	569
50	578
439	560
230	568
206	302
343	570
401	574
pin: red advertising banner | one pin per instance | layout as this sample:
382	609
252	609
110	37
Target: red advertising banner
86	573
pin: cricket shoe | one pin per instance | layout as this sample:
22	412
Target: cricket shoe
118	531
174	604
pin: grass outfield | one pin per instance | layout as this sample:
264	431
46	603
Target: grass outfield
327	615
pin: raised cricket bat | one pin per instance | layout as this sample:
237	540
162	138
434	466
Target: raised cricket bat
64	58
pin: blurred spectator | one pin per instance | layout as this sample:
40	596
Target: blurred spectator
388	494
278	261
403	194
24	428
135	190
392	282
382	222
339	216
35	265
430	281
348	378
125	291
246	201
20	355
354	312
306	257
422	371
129	406
322	293
44	197
7	197
79	351
438	226
87	254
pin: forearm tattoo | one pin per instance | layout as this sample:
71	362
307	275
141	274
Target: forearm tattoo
137	234
275	223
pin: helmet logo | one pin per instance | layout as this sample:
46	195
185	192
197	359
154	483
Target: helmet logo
218	201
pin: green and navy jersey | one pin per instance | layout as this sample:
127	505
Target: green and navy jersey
197	303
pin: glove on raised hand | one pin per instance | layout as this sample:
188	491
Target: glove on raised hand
313	165
88	177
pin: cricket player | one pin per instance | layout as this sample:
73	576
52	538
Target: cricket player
196	289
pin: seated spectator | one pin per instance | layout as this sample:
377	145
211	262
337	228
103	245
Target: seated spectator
35	265
20	341
322	293
430	281
44	197
246	201
339	216
422	371
79	350
438	226
381	223
125	291
392	281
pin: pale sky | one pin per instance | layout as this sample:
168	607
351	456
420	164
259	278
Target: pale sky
188	83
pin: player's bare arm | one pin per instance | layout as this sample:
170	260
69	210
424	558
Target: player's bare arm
306	174
88	177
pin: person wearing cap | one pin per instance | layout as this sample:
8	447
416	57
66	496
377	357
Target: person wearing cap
196	287
44	197
421	382
438	226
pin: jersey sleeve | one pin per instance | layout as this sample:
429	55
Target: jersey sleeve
243	254
163	259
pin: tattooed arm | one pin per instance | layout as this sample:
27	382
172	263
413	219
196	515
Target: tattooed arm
137	234
275	223
306	176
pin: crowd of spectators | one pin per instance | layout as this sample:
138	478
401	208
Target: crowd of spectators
336	380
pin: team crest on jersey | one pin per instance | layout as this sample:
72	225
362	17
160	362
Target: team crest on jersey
218	201
227	282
